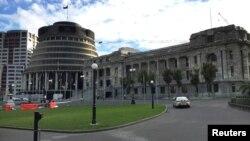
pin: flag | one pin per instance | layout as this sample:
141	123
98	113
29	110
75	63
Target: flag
65	7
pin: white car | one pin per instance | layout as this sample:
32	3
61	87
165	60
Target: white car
16	99
181	101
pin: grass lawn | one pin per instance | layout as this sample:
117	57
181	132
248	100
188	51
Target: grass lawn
79	118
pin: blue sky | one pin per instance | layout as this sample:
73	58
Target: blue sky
141	24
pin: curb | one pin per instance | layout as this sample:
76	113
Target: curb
239	106
95	130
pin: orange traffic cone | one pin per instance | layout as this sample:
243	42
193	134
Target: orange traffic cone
52	104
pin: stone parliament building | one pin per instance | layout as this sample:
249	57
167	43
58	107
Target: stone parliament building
226	47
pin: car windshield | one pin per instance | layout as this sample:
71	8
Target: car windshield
181	98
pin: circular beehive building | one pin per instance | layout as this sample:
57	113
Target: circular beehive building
57	62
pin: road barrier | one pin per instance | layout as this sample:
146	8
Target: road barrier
29	106
8	107
52	104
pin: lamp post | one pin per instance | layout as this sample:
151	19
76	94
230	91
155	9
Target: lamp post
94	67
152	86
50	81
82	76
30	85
132	70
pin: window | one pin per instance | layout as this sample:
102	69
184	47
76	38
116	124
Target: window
187	74
101	83
52	38
232	70
231	55
64	38
210	38
233	88
195	60
216	87
24	34
172	89
58	38
135	91
101	72
70	38
162	90
107	71
108	83
184	89
209	88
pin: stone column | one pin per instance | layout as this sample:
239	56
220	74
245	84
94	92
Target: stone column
46	81
157	80
36	79
104	83
76	81
66	81
24	83
245	71
29	82
56	81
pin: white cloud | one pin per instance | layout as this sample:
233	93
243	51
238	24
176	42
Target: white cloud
150	23
3	2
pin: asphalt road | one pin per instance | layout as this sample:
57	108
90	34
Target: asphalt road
175	125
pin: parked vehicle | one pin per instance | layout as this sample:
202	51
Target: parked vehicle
25	99
181	101
16	99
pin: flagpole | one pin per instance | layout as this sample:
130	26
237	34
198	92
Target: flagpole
211	22
67	10
68	13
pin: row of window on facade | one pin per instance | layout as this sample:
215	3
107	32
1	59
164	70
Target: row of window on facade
77	39
66	50
17	34
183	89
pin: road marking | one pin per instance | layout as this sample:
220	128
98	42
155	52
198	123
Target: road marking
59	137
128	136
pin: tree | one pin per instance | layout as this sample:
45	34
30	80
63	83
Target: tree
143	78
195	79
167	75
245	87
177	77
209	73
151	76
126	82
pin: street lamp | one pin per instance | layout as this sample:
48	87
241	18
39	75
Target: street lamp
94	67
132	70
152	86
50	81
82	76
30	85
